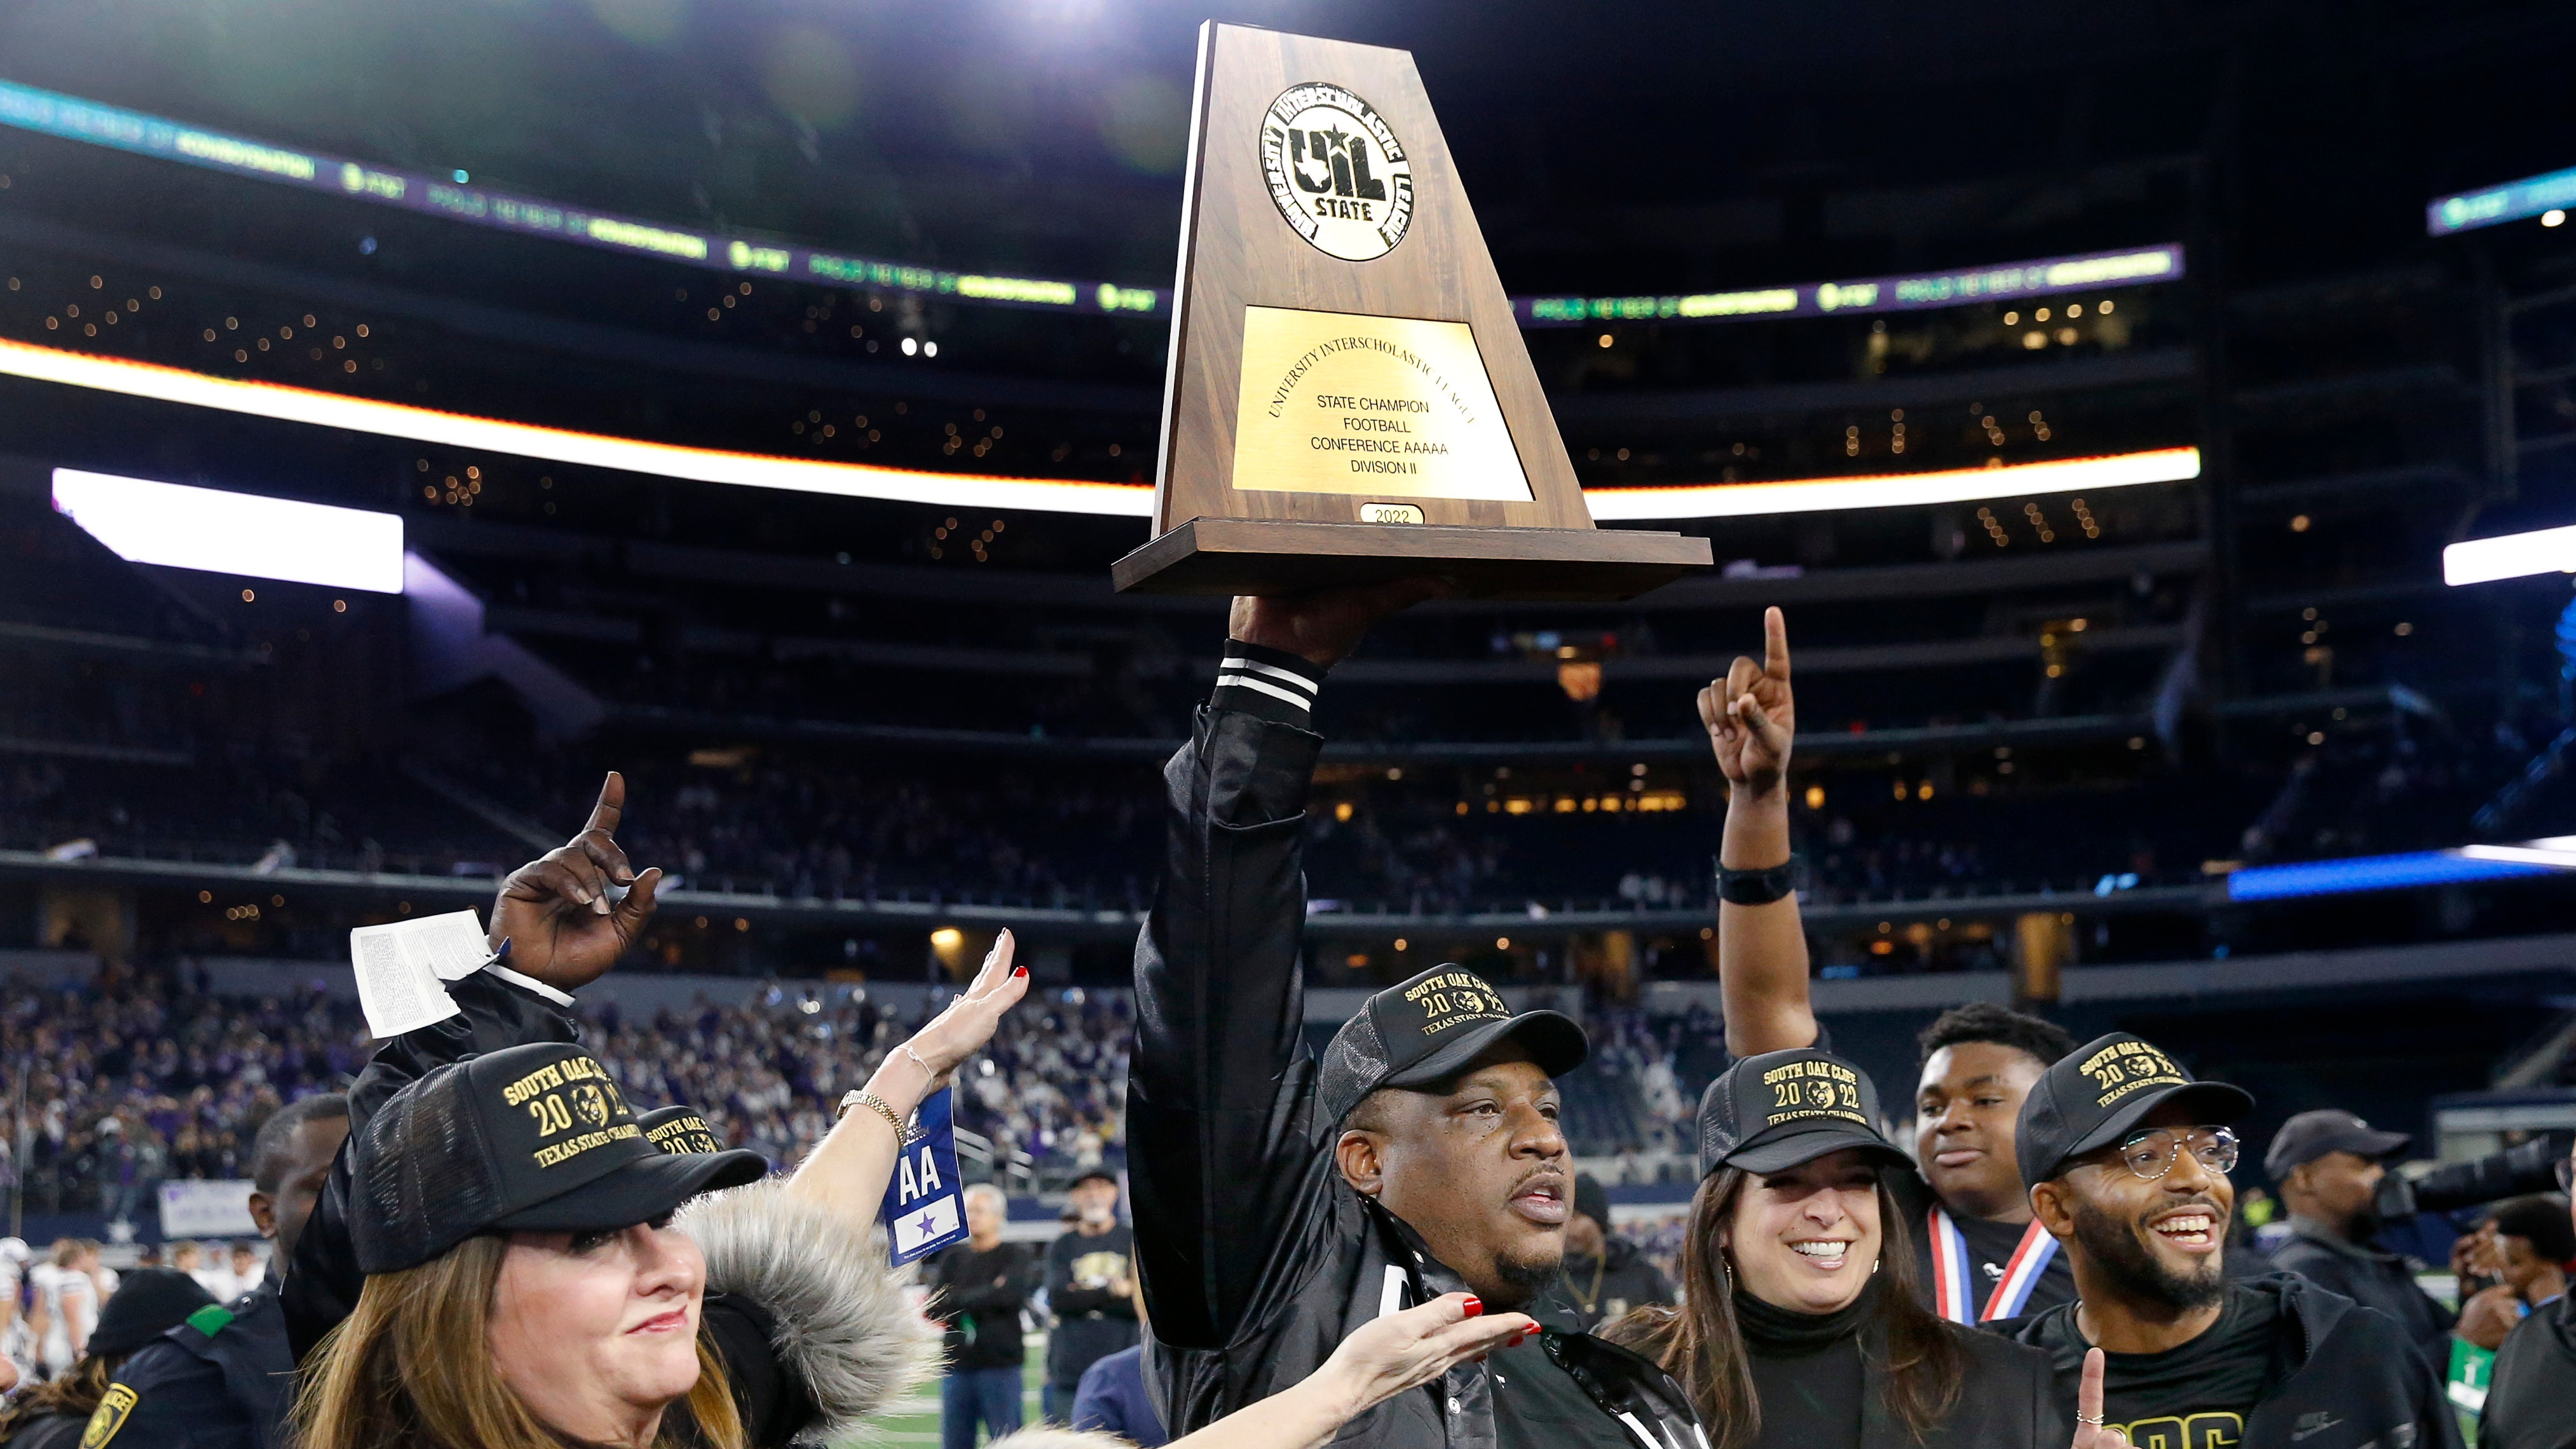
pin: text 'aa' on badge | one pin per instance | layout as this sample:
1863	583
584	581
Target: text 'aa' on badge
925	1202
1337	171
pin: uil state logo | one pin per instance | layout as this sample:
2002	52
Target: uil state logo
1336	171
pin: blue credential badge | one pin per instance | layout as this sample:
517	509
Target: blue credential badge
925	1204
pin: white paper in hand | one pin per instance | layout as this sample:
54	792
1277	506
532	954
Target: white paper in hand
403	967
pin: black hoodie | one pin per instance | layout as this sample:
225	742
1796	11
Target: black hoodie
2531	1400
1255	1257
2342	1376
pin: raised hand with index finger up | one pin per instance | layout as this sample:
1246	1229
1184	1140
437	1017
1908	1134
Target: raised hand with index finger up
555	912
2090	1431
1751	719
1750	715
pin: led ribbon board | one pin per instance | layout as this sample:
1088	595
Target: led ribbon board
70	118
2496	205
244	534
1894	490
525	440
2089	272
73	119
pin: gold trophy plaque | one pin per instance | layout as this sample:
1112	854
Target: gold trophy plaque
1348	399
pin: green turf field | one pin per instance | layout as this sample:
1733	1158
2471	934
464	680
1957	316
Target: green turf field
915	1420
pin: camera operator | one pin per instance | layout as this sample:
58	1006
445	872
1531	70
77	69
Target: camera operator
2328	1166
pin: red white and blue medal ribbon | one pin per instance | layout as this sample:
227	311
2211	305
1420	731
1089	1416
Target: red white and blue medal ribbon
1954	1271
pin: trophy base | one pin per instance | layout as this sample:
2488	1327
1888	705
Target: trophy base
1271	556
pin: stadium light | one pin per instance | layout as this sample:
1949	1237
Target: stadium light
2557	852
243	534
1892	490
2510	556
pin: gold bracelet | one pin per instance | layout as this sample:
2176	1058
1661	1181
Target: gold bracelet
878	1105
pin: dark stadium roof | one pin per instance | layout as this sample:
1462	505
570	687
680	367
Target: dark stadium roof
1621	146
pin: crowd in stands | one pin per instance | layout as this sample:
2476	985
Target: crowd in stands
147	1080
151	1079
1049	1094
815	821
140	1082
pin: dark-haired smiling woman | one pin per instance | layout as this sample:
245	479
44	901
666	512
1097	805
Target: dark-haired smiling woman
1800	1328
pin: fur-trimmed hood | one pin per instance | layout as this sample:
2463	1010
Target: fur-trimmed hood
844	1326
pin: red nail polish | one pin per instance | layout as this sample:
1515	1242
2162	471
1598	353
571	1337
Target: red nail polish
1475	1305
1019	971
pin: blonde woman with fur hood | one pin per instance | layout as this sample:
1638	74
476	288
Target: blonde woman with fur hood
539	1273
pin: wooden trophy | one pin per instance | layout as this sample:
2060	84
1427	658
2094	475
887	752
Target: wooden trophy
1349	399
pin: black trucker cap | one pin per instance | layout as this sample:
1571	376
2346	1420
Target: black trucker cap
1771	1112
531	1138
679	1129
2311	1135
1429	1028
2094	1097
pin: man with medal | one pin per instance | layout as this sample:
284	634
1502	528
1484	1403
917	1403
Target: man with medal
1984	1258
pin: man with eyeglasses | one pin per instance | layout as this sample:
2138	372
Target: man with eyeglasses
2127	1157
2531	1398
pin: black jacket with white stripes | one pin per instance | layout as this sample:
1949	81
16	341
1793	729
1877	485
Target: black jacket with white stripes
1256	1259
